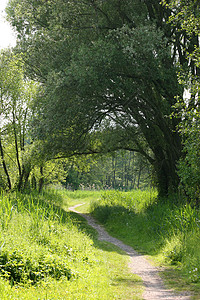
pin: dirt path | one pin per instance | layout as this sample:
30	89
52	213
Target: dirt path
154	288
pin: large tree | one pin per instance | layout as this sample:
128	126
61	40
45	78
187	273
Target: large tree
187	17
105	60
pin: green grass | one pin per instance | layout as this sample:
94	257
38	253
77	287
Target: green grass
164	229
48	253
77	197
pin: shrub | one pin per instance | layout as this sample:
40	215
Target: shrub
19	267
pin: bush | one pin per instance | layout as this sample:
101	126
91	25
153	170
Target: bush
20	267
30	238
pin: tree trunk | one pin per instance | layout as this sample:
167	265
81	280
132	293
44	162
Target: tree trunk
41	181
26	177
165	168
5	167
23	178
16	146
114	172
139	175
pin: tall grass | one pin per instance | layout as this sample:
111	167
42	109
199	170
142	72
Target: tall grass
46	254
80	195
72	198
154	226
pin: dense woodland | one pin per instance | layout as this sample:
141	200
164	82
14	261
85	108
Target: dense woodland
102	93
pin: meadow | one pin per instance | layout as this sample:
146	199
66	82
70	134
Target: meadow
47	252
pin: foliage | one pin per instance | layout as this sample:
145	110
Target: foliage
23	268
103	61
130	201
189	168
22	264
17	94
117	170
53	172
186	17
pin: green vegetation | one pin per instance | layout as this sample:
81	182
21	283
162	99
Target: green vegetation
48	253
81	197
187	18
167	230
108	77
121	169
93	96
113	83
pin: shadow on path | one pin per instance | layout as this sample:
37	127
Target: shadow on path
154	287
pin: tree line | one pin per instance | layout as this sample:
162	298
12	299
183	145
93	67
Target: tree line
106	76
122	170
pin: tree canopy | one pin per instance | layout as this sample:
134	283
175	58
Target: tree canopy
106	66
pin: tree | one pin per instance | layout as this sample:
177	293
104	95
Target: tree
187	17
16	95
121	169
104	60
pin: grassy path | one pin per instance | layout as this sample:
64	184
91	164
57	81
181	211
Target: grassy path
51	253
154	287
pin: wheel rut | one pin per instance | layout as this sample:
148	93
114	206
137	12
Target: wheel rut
138	264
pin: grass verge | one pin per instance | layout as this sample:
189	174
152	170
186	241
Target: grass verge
48	253
166	230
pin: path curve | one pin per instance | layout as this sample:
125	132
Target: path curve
154	287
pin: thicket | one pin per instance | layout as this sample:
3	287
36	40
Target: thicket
167	228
